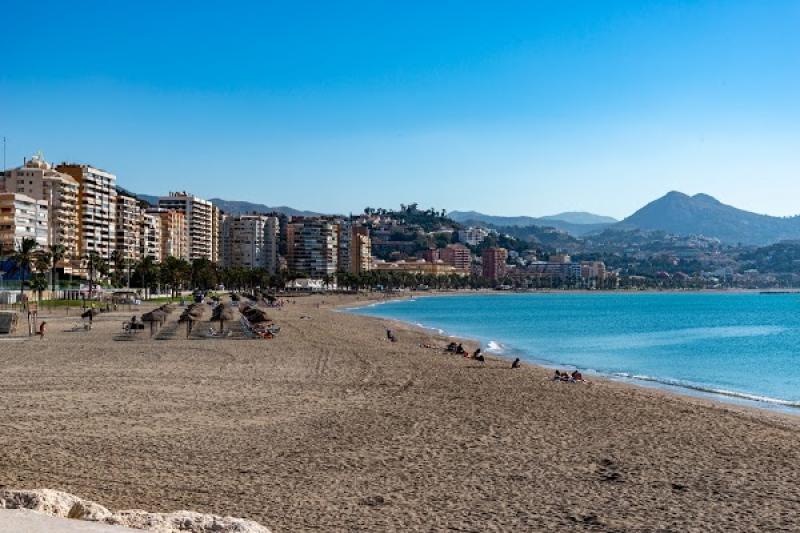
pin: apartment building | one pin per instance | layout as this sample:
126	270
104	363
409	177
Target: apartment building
97	217
174	233
150	236
473	235
22	217
38	180
456	255
217	225
129	226
494	263
198	214
251	241
312	247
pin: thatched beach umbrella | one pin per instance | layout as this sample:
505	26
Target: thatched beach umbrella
222	313
154	317
255	315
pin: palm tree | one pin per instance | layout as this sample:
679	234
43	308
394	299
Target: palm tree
42	263
39	284
96	265
23	259
57	252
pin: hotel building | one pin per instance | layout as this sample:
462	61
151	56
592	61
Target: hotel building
312	247
199	221
217	224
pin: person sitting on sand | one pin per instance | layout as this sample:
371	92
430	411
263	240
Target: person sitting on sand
42	329
557	376
577	375
390	335
480	358
515	364
460	349
451	347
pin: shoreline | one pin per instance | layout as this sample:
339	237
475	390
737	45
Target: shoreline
749	401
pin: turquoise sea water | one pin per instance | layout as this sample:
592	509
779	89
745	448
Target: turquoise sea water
740	346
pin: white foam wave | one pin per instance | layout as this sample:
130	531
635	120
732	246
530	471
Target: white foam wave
709	389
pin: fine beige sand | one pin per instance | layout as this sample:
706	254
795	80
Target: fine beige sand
330	427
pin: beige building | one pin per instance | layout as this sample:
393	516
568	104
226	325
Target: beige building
436	268
251	241
129	227
355	248
312	247
38	180
97	216
150	236
199	221
22	217
217	224
174	233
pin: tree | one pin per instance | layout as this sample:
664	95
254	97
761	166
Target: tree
39	284
57	253
23	259
97	266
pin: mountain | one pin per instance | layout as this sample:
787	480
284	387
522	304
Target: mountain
239	207
702	214
581	217
574	228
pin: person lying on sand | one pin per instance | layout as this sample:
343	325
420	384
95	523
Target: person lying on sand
557	376
478	357
578	377
516	363
451	347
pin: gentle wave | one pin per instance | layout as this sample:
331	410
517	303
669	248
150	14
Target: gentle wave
672	337
707	389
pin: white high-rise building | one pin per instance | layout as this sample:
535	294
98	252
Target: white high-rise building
199	222
251	241
22	217
97	210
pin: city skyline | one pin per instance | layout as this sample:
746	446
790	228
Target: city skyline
599	110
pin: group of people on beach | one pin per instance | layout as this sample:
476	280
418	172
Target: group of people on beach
458	349
575	377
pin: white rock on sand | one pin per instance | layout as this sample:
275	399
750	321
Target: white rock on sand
61	504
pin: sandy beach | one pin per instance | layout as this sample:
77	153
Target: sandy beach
330	427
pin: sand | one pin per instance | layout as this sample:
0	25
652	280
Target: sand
330	427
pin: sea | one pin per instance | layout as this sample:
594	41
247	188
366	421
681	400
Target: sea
740	347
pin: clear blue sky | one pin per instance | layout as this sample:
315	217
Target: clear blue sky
503	107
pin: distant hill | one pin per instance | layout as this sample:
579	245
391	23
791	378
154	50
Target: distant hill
239	207
581	217
702	214
577	229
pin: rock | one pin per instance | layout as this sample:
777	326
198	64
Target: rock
62	504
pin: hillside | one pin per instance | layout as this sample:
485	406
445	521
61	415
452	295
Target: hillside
702	214
577	229
238	207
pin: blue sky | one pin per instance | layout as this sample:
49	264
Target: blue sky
504	107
